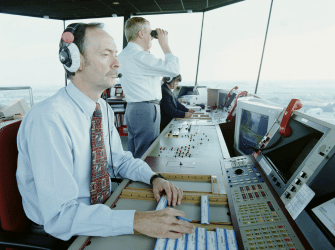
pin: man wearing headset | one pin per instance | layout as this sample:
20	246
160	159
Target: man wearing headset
141	73
55	151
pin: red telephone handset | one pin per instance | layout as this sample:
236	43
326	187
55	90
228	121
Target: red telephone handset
285	130
231	115
229	94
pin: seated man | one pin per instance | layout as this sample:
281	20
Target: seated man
68	149
170	106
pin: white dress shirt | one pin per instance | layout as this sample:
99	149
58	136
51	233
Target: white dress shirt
54	167
141	73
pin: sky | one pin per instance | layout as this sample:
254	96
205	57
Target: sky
300	43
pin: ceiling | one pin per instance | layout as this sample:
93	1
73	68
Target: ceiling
82	9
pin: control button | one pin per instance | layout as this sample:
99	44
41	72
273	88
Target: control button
297	181
292	188
274	179
287	195
238	171
278	184
303	174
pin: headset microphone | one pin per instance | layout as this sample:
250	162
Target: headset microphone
119	75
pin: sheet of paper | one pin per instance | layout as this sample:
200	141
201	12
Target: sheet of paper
326	214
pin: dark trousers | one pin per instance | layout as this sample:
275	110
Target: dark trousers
143	121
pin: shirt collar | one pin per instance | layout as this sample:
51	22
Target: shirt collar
86	105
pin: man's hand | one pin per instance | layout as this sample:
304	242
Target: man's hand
162	223
163	40
191	110
174	194
188	114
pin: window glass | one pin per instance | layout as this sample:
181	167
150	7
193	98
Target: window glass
232	44
30	57
299	58
184	38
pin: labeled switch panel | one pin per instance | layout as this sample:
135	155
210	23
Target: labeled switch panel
277	235
243	175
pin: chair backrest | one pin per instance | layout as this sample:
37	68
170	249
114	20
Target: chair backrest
12	214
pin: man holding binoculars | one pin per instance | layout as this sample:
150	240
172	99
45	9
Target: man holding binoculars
141	73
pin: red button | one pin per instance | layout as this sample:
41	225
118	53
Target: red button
287	239
280	226
293	249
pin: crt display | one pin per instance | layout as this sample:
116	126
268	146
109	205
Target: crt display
290	152
253	127
230	100
222	100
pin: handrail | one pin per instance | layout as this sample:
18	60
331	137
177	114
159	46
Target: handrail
22	87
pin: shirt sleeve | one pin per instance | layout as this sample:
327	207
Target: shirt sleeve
181	106
50	152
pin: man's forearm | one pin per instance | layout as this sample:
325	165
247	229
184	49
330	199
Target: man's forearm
166	49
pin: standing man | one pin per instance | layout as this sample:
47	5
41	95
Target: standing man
68	148
141	72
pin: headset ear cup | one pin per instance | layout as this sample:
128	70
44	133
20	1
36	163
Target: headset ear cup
75	57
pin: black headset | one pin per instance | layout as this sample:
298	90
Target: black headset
69	54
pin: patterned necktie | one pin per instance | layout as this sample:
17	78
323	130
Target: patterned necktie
99	187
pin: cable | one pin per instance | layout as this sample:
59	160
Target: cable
109	135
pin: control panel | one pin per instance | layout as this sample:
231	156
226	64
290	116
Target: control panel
261	222
243	175
188	141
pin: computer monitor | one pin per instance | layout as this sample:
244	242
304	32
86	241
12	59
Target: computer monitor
184	90
222	98
254	117
300	168
230	100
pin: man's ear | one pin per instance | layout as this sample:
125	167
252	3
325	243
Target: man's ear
140	34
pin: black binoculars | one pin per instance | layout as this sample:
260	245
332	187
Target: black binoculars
154	34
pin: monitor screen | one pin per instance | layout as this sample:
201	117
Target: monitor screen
290	152
185	90
222	99
230	100
254	118
253	127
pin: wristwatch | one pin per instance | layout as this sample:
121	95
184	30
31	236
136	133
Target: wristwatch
156	176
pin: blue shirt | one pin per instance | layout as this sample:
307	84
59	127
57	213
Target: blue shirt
141	73
54	167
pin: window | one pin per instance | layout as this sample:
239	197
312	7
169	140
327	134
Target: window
232	44
299	58
30	57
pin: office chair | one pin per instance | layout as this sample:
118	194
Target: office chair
15	226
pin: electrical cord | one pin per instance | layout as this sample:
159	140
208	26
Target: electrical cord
109	135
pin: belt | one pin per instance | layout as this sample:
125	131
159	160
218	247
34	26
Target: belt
153	101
